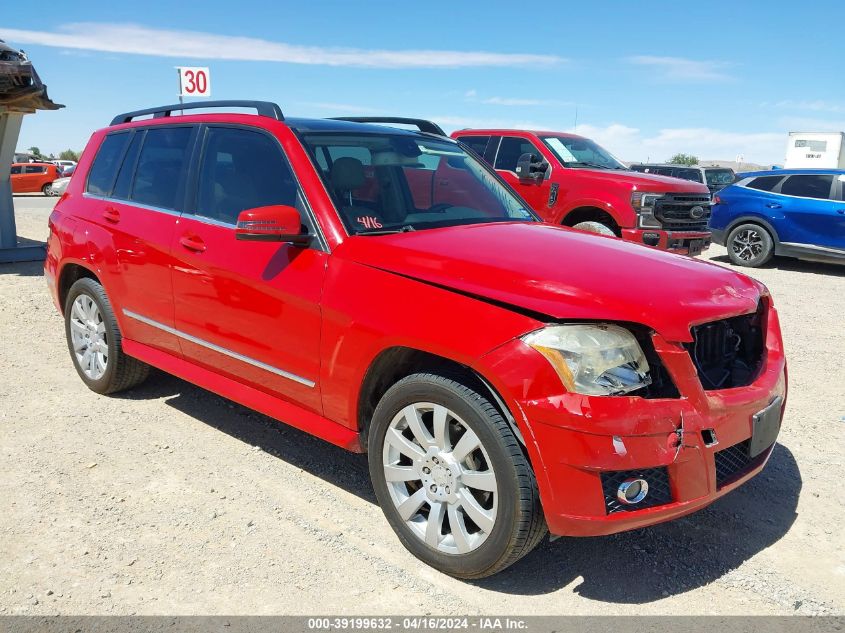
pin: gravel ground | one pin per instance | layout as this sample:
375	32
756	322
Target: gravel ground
171	500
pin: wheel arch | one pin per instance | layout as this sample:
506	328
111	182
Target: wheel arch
753	219
590	212
68	275
394	363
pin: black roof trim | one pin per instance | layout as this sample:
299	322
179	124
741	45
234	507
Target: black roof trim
264	108
422	124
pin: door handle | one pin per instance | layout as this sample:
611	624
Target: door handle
773	205
111	214
192	243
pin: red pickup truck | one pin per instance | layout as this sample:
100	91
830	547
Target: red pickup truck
571	180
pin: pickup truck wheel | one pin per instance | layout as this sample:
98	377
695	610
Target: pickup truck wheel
594	227
94	341
750	245
451	477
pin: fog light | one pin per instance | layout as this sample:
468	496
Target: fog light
632	491
651	239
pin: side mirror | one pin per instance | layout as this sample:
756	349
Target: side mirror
528	167
276	223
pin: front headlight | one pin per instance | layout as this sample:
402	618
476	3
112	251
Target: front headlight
593	359
643	204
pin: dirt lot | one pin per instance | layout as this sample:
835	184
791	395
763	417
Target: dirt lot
171	500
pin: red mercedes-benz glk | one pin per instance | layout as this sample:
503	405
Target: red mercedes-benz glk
388	292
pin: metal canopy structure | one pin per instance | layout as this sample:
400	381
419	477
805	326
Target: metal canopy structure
21	93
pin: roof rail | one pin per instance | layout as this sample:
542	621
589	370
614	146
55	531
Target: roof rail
422	124
264	108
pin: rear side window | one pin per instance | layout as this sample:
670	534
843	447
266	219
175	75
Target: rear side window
689	174
160	166
510	149
808	186
123	185
34	169
478	144
764	183
242	169
104	169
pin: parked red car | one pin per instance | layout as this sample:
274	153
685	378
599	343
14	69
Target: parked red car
507	377
571	180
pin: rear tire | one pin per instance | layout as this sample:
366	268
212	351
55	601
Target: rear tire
464	499
94	341
595	227
750	245
46	189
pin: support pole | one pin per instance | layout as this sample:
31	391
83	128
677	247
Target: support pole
10	127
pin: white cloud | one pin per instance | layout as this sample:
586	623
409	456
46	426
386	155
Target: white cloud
632	144
813	106
509	101
683	69
141	40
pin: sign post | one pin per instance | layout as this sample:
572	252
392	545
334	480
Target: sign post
194	81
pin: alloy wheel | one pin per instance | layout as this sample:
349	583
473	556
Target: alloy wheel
88	337
440	478
747	245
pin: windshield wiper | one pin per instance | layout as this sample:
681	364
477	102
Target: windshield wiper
404	229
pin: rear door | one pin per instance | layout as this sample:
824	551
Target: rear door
510	149
33	178
248	310
812	212
138	181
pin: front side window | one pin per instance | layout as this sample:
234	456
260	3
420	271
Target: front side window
104	169
510	149
160	165
391	182
242	169
16	169
582	153
808	186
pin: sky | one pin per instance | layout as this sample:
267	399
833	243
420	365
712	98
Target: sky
645	79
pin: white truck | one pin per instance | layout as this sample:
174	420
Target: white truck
815	150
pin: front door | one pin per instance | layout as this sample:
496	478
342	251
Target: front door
248	310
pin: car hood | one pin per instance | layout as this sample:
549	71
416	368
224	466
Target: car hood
641	181
563	274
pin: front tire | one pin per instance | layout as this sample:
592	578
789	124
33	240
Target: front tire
595	227
750	245
452	479
94	341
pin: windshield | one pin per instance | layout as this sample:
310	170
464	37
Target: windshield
582	152
384	183
719	176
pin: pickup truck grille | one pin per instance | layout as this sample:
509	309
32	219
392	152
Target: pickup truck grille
729	353
683	212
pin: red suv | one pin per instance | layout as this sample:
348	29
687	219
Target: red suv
386	291
571	180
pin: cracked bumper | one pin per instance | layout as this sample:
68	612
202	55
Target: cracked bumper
572	439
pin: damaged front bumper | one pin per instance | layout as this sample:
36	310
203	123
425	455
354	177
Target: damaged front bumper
691	449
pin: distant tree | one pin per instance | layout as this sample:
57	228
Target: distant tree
36	152
683	159
69	154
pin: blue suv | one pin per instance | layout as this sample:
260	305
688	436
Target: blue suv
792	212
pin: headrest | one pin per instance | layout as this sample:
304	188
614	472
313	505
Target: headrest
347	174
